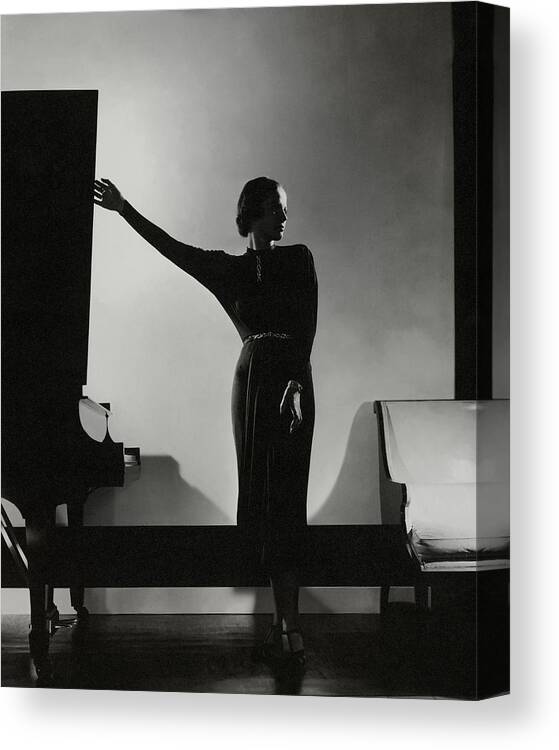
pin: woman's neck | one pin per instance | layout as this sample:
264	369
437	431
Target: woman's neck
259	243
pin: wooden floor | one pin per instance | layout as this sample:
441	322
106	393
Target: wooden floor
347	655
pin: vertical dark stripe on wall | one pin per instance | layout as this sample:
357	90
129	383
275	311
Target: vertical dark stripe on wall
473	198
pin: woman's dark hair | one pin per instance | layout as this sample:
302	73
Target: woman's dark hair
251	199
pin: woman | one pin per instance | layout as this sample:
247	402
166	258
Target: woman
270	294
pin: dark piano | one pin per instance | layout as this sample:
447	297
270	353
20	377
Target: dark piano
56	447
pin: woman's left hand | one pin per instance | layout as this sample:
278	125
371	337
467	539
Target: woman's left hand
291	404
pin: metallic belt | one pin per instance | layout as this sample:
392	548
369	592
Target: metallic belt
267	335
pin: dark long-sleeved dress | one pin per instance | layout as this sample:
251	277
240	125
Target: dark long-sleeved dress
270	291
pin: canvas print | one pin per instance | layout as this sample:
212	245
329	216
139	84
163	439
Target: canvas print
255	350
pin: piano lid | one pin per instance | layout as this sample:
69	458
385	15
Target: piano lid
48	169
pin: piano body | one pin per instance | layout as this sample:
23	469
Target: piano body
56	447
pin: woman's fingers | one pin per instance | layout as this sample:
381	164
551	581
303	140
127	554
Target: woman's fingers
104	194
105	184
296	421
99	188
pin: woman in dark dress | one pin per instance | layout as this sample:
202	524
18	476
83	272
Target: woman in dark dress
270	294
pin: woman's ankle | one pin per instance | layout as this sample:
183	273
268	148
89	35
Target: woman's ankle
290	623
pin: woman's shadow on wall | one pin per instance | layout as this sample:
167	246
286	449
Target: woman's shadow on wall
160	496
355	496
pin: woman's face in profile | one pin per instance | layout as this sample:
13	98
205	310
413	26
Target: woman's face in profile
271	225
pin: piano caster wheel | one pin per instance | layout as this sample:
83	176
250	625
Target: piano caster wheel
53	620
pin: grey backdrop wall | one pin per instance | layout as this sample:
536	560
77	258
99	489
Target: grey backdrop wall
350	108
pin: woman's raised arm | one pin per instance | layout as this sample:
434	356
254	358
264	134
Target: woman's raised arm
207	266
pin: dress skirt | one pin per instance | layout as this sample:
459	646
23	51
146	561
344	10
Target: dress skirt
273	464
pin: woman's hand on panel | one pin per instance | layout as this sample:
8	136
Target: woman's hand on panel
107	195
291	404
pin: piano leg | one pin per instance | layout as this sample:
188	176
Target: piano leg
37	531
53	615
75	521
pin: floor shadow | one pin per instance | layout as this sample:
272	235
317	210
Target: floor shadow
405	653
